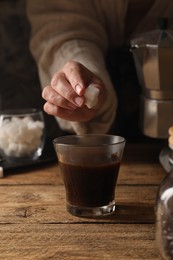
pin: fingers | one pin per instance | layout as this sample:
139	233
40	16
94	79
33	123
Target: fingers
51	96
63	87
65	96
62	94
77	76
81	114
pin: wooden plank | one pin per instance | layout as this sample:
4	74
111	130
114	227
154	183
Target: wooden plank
140	165
46	204
38	175
79	241
142	174
130	173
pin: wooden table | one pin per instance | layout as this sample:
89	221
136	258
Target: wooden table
34	223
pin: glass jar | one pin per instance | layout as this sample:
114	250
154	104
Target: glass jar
164	209
22	134
164	218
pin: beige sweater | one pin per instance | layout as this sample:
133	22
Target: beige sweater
83	30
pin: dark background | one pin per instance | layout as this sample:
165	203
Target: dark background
19	82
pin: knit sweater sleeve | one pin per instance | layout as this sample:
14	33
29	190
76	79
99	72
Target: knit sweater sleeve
72	30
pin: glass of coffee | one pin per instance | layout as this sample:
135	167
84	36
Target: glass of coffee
89	166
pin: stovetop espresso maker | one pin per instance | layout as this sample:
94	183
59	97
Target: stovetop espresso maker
153	57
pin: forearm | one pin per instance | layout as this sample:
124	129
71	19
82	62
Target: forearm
54	43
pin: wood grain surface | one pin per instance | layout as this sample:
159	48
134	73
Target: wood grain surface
34	223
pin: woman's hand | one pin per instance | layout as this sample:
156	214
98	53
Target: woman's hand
65	95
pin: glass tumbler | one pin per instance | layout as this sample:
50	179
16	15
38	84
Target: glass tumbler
89	166
22	134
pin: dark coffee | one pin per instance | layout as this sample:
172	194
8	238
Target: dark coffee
90	186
